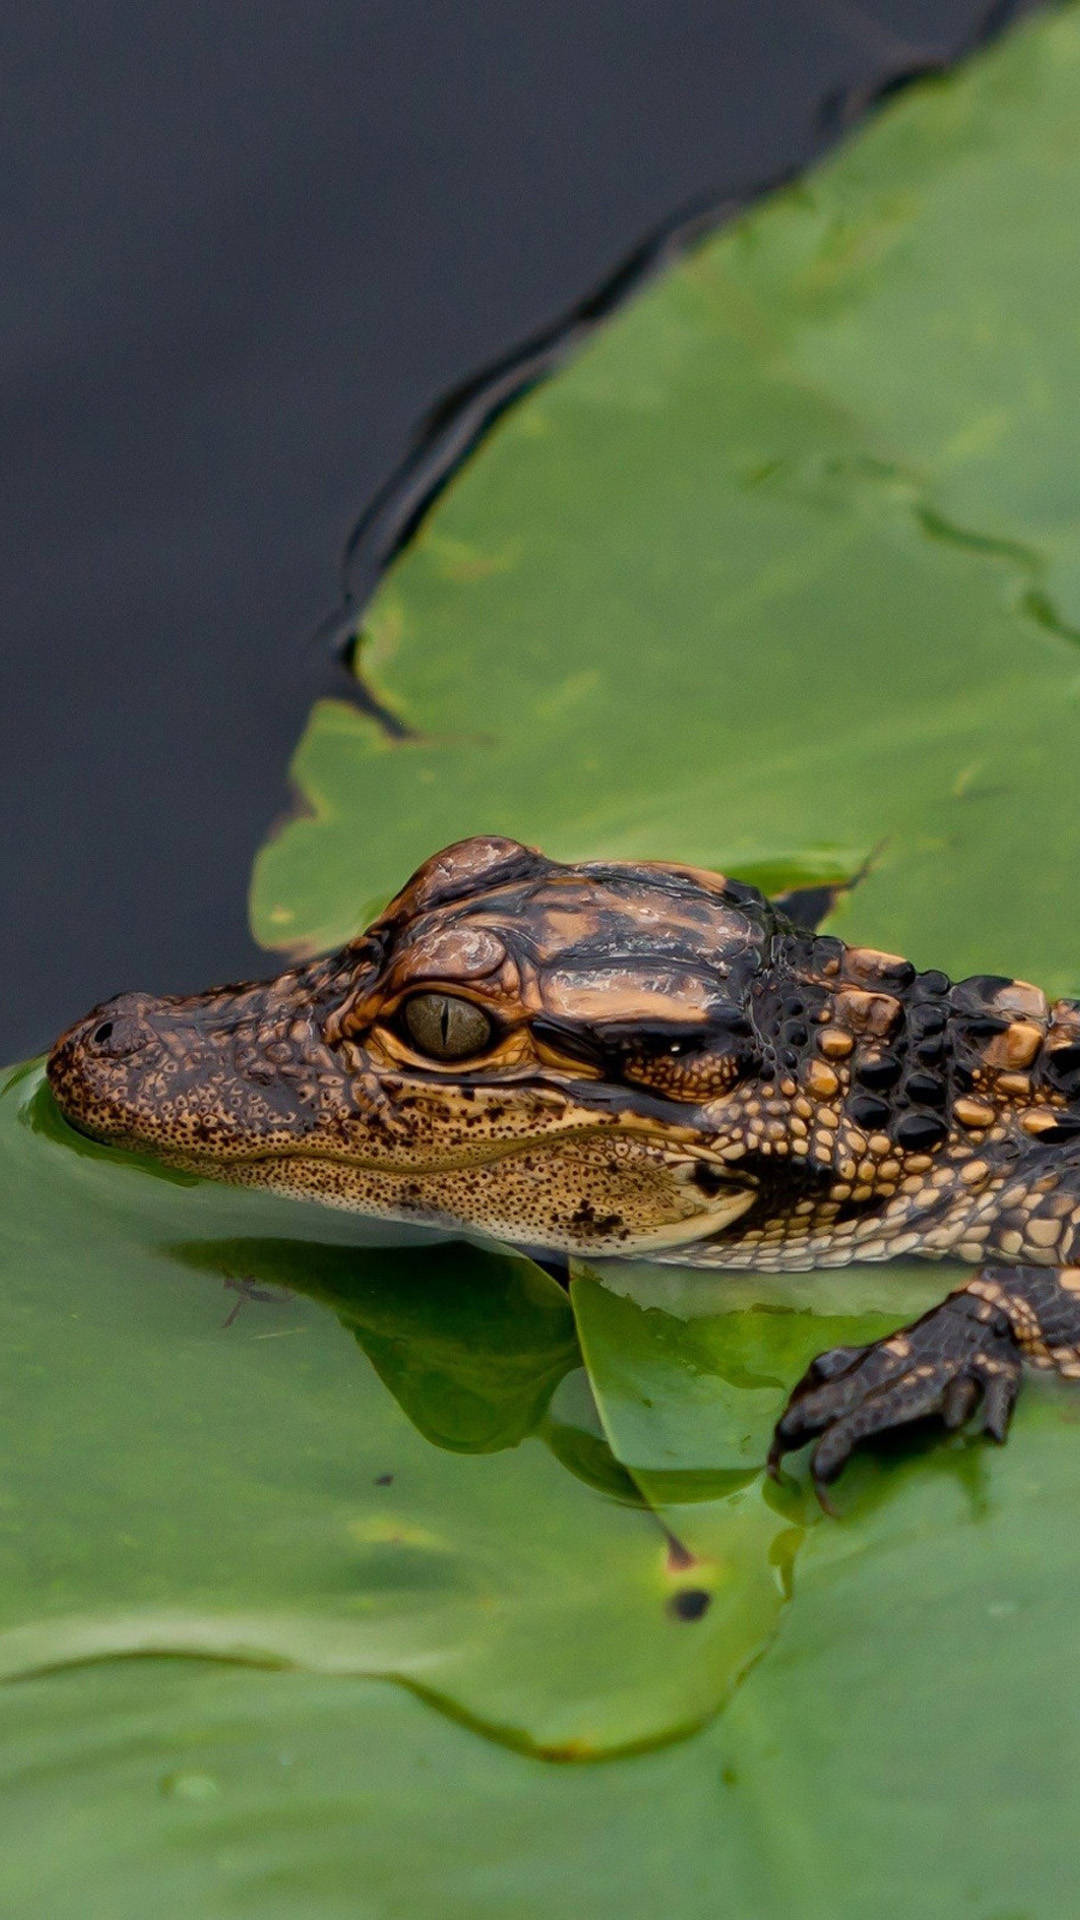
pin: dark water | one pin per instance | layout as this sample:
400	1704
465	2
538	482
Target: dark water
244	250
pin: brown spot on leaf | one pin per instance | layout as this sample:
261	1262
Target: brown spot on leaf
691	1604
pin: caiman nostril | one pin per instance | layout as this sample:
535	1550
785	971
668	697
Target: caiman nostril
121	1033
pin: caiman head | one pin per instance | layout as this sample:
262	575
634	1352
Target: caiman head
538	1052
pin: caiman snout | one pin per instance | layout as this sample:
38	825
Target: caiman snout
229	1073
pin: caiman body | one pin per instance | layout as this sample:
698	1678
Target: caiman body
617	1059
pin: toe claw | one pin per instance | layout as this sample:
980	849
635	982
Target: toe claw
999	1401
828	1365
828	1460
958	1400
827	1506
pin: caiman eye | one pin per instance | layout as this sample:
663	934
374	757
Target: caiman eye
446	1028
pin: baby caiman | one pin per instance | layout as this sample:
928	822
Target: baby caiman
651	1060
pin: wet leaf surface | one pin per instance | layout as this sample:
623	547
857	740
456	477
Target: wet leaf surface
781	572
689	1396
911	1739
290	1451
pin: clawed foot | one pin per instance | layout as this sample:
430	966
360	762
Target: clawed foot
960	1357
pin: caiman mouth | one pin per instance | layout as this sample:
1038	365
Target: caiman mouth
660	1142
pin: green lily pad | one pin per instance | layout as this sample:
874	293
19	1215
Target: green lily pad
917	1720
911	1740
197	1790
691	1371
918	1709
781	567
203	1462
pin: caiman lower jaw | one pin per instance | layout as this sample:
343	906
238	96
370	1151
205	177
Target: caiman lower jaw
729	1204
559	1190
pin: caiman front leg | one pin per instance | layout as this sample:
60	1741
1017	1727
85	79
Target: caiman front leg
964	1356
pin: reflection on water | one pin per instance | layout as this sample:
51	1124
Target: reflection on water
573	1430
481	1350
472	1345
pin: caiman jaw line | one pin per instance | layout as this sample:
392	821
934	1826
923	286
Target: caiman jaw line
477	1157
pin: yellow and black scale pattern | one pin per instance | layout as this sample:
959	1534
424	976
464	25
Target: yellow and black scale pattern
646	1059
918	1116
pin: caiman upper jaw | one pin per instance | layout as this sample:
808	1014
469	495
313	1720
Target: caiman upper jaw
168	1074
